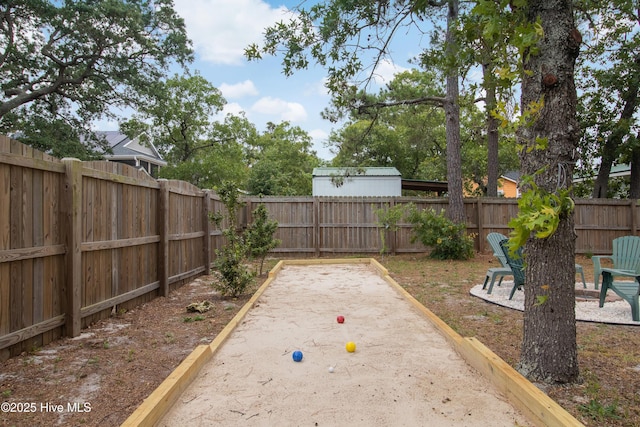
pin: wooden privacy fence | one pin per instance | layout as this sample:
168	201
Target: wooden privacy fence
80	240
330	225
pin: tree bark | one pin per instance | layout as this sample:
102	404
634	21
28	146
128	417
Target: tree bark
452	116
634	179
549	350
492	131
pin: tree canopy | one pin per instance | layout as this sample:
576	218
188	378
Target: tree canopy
282	162
609	83
179	117
78	60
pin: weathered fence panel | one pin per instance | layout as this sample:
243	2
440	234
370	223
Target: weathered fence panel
296	218
31	247
186	232
80	240
599	221
119	239
348	225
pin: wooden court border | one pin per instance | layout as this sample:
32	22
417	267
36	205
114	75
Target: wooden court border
539	408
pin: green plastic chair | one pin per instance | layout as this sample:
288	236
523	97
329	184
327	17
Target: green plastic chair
516	262
629	291
494	240
625	257
496	272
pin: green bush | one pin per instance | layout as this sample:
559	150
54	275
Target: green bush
232	273
447	239
233	276
259	235
388	219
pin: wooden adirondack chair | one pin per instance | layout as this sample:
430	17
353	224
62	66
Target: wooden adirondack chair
516	262
625	257
496	272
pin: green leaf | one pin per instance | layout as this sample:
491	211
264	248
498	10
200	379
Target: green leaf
541	299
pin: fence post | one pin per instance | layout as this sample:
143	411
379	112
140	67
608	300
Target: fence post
480	226
73	224
206	225
316	226
163	225
394	232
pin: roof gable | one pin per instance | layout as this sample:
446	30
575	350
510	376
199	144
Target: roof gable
122	146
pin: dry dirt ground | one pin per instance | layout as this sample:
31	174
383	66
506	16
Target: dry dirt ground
116	363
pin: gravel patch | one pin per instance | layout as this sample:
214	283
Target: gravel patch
587	310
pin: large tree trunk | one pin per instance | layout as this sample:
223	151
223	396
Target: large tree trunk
549	351
492	131
452	125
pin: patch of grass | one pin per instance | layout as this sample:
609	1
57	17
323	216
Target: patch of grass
197	318
93	361
6	393
130	355
57	360
599	412
592	386
169	338
494	317
105	344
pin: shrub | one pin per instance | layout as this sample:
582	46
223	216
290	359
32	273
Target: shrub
259	235
447	239
232	274
388	219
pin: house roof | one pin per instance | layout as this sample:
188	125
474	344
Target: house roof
512	176
123	147
620	170
356	171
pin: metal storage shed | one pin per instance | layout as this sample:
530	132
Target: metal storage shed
357	182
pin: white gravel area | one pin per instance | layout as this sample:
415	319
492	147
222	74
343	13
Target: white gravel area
617	311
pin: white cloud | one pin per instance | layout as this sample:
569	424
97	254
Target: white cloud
222	29
319	135
317	88
386	70
290	111
232	108
319	138
238	90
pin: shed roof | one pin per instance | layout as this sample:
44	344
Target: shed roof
356	171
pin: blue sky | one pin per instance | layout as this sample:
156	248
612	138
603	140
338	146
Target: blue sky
220	31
